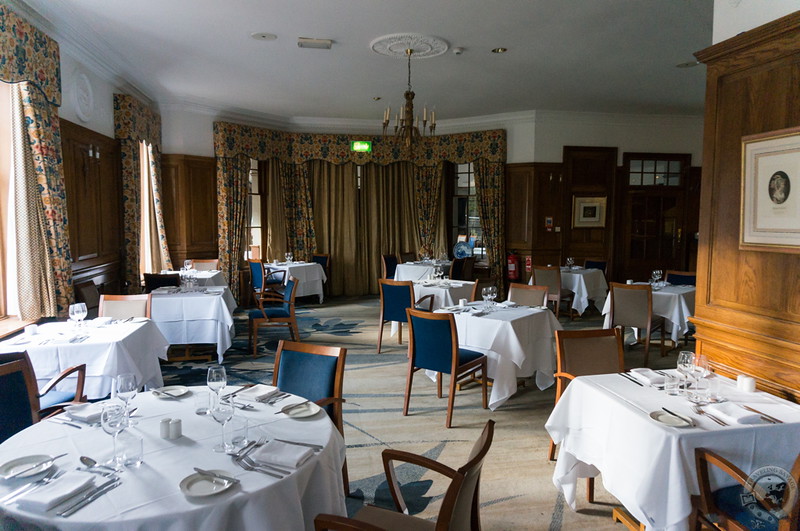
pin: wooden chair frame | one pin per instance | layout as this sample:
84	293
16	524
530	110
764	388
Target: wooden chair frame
87	293
555	297
417	302
147	296
290	322
528	287
652	324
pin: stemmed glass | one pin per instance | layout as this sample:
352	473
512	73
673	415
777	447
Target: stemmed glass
187	265
222	413
492	293
570	262
77	312
486	293
700	371
655	276
216	379
288	257
685	367
126	390
112	419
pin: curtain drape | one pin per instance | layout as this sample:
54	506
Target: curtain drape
232	190
489	189
428	185
154	251
275	221
160	235
297	206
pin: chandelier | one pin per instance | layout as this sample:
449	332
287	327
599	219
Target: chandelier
406	125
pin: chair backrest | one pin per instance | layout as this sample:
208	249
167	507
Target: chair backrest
432	340
549	276
206	264
19	396
322	259
257	274
289	295
681	278
87	293
396	296
389	264
125	306
314	372
528	295
631	304
154	281
479	285
408	257
469	268
457	269
586	352
596	263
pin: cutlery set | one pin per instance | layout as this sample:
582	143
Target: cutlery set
274	399
292	407
52	475
84	498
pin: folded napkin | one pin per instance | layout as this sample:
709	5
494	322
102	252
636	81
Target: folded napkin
508	304
258	392
89	413
48	496
215	289
456	284
733	413
99	321
282	454
647	376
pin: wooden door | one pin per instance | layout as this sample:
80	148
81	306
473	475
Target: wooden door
654	232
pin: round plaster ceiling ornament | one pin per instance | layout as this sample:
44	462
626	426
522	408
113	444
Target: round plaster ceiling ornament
396	44
83	97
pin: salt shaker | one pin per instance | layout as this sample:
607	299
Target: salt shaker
175	429
163	428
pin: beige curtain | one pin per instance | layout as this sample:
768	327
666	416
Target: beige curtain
274	221
153	252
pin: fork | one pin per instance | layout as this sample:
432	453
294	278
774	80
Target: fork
51	476
245	463
275	398
701	411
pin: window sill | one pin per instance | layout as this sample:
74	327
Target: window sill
12	325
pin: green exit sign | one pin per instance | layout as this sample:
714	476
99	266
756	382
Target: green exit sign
361	146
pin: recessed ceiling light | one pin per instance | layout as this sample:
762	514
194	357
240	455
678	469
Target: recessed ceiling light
500	50
319	44
376	98
688	64
264	36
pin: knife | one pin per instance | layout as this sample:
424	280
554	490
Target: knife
217	475
65	423
685	419
35	465
297	443
631	378
248	386
89	497
162	393
769	418
291	407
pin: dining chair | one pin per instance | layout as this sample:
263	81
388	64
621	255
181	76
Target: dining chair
154	281
632	305
460	507
527	295
264	279
388	265
433	346
550	276
681	278
408	257
462	268
477	288
87	293
315	372
583	353
211	264
324	260
281	315
125	306
396	296
723	508
596	263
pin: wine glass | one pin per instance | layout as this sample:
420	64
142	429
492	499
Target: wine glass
73	313
685	366
486	294
570	262
126	390
222	413
700	371
492	293
289	257
81	312
112	419
187	265
216	379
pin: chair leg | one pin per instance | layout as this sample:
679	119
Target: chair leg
484	385
664	339
439	385
345	479
451	399
551	453
590	490
399	333
409	379
295	330
380	335
646	348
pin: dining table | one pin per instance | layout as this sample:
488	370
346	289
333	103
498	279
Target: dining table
674	303
164	492
420	270
310	274
620	429
518	341
107	347
211	277
587	284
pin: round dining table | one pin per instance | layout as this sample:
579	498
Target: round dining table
150	495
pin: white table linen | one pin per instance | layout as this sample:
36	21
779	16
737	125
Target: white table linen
107	351
586	284
419	270
673	303
310	274
204	278
204	315
517	341
149	497
603	426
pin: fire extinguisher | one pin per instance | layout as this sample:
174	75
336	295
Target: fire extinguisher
513	266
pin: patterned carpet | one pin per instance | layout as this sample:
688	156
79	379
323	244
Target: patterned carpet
516	484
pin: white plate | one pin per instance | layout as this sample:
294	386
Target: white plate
199	486
21	463
671	420
174	390
306	410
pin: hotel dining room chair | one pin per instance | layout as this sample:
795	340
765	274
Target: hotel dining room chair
125	306
550	276
396	296
460	507
22	404
210	264
477	288
280	315
596	263
315	372
433	346
584	353
462	268
632	305
408	256
681	278
723	508
154	281
87	293
527	295
388	266
263	279
324	260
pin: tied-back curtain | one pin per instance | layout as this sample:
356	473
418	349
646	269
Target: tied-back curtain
275	222
233	178
489	188
299	214
155	255
160	234
428	184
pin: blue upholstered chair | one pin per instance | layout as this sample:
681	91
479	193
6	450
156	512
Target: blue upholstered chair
389	263
724	506
264	279
596	263
280	315
316	373
433	346
154	281
462	268
325	261
681	278
396	296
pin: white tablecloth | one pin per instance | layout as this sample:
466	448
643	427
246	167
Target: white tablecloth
674	303
603	426
310	274
205	278
202	316
586	284
517	341
419	271
109	350
149	497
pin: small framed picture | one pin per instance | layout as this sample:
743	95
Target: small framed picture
588	212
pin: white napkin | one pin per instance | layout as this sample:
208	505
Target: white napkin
647	376
99	321
456	285
282	454
89	413
258	392
733	413
48	496
508	304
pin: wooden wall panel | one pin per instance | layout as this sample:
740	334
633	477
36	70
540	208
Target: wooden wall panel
748	303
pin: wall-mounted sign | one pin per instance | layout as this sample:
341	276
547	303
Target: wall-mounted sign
361	146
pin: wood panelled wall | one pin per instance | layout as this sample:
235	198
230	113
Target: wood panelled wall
748	303
190	206
94	205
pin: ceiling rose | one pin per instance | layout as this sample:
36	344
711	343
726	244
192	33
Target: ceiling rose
396	44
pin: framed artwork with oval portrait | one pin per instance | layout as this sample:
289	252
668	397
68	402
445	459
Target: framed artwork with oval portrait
771	192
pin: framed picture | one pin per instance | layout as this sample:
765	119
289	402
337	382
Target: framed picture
771	192
588	212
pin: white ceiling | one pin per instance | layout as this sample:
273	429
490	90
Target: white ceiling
576	55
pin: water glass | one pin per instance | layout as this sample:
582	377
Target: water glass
130	448
237	429
672	384
112	419
202	402
685	366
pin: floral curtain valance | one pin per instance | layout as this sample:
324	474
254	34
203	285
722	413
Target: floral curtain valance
133	120
27	54
259	143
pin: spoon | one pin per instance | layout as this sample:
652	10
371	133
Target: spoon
91	463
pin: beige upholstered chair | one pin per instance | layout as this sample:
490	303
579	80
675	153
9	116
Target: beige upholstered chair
206	265
632	305
550	276
528	295
125	306
87	293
